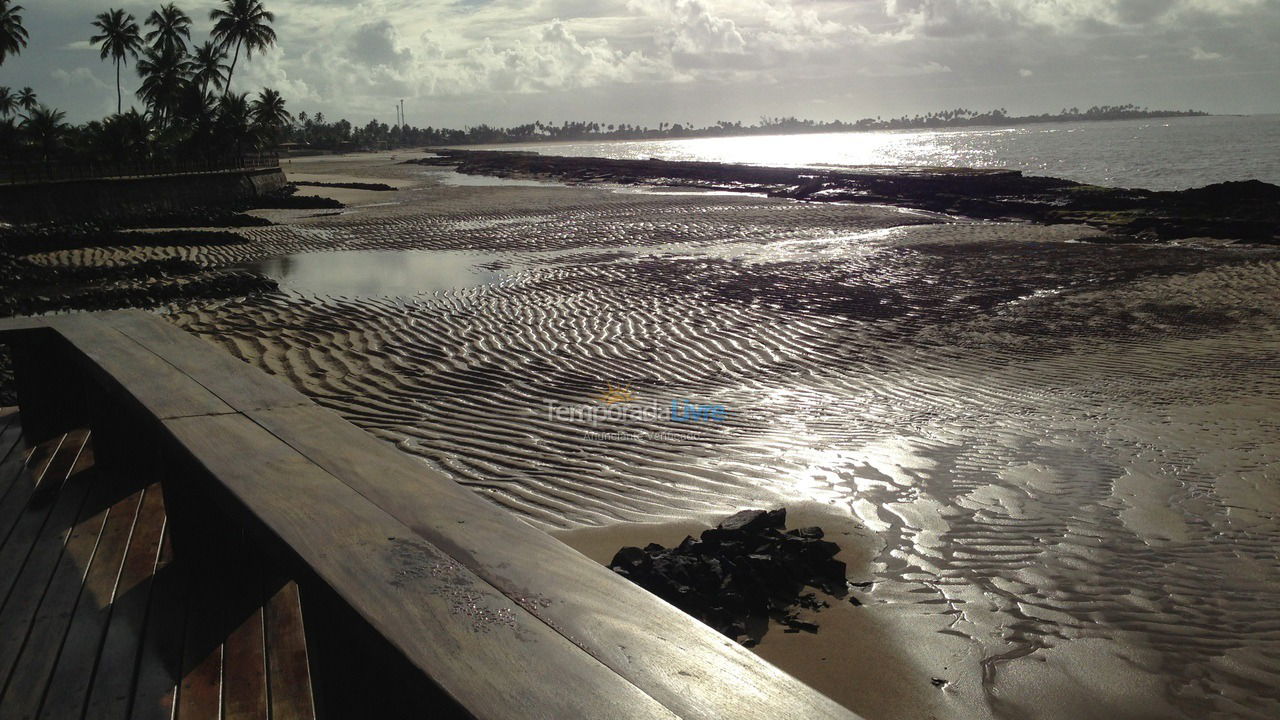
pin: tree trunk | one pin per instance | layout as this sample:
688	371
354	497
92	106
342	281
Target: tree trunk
119	97
232	71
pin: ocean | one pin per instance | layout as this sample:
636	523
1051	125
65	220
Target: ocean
1159	154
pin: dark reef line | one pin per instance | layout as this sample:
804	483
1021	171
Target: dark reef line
1244	211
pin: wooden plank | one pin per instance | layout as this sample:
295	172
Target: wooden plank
13	457
484	651
20	324
685	665
200	691
14	502
134	375
238	384
19	475
113	681
72	674
26	658
288	664
44	567
244	673
11	433
160	663
19	543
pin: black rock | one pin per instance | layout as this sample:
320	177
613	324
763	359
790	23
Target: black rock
750	521
738	574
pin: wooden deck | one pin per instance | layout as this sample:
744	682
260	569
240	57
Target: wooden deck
99	619
421	599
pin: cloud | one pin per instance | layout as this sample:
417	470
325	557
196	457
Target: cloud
688	26
376	43
471	61
81	77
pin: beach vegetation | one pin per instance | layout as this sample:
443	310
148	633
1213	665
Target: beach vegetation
172	30
13	35
242	24
209	67
45	129
119	38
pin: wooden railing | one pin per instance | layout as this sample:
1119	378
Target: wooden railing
25	173
439	589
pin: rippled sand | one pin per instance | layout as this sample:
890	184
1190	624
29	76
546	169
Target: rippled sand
1055	461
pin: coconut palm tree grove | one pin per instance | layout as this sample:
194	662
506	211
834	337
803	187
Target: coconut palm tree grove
188	111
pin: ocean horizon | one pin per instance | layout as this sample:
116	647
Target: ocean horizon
1154	153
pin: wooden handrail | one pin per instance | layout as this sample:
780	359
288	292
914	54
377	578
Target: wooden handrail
502	618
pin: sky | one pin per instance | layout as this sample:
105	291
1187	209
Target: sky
458	63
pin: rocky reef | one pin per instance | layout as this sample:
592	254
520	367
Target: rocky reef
1246	211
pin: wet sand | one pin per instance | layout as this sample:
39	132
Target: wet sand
1055	461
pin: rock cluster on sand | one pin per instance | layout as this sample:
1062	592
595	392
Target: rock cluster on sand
739	574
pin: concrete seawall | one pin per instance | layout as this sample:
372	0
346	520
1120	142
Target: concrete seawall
125	198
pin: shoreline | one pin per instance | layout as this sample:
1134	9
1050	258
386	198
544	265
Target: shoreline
1021	434
1238	211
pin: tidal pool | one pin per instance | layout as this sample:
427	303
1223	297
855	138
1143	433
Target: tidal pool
380	273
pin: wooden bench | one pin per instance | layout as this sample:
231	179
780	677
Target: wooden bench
495	618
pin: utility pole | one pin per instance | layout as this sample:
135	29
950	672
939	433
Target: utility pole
401	112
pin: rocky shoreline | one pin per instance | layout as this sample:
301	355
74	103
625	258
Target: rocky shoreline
1244	212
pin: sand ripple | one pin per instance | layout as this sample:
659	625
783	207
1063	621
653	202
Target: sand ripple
1052	441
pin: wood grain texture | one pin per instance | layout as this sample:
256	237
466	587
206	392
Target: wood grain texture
38	650
72	675
288	662
132	374
155	689
244	663
472	641
37	506
27	477
113	682
43	569
690	668
236	383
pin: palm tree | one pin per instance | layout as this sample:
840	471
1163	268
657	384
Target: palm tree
207	66
172	29
244	23
119	137
27	99
234	122
9	142
269	114
164	75
13	36
120	38
45	128
8	102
